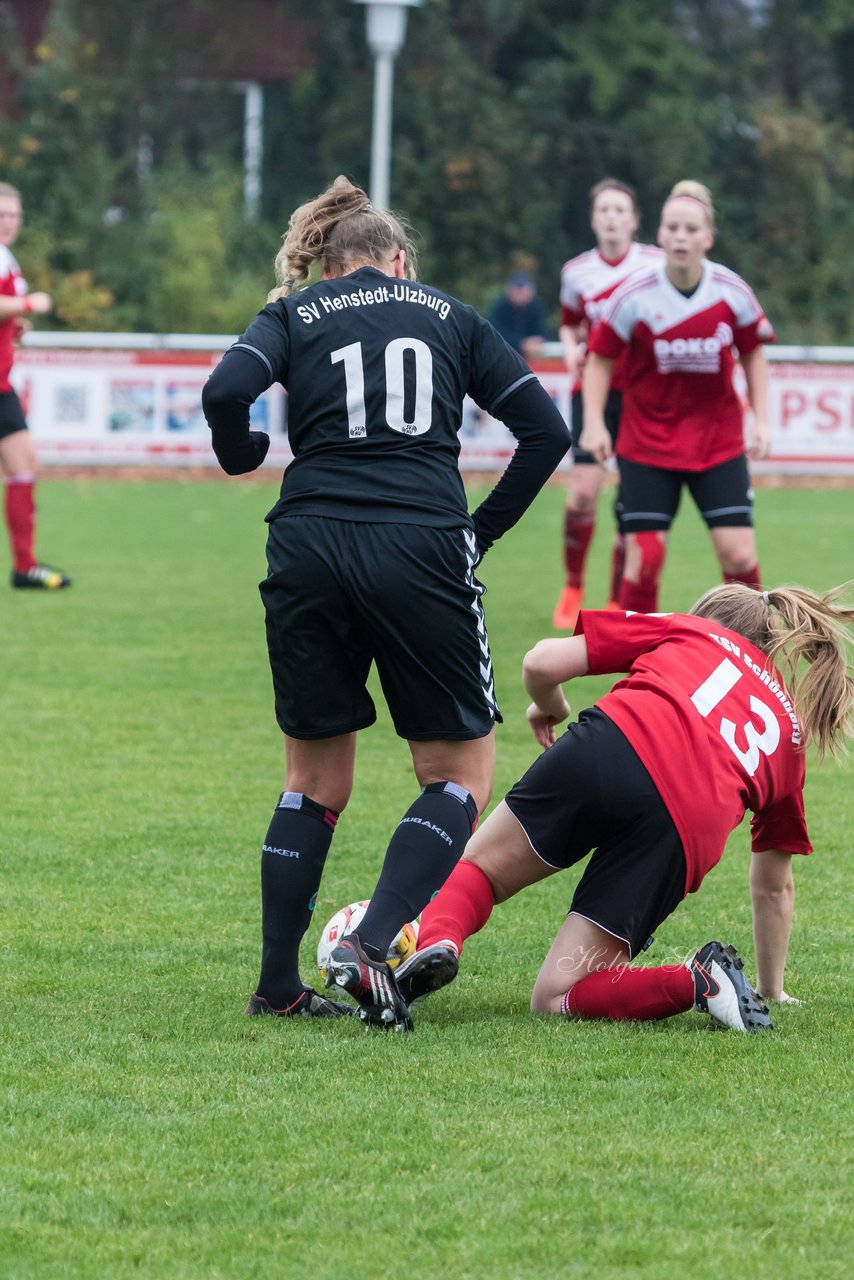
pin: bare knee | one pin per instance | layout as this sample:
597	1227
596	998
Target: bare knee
542	1002
321	769
322	791
584	489
735	548
737	561
469	764
18	458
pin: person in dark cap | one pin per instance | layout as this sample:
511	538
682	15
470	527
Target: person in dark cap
520	316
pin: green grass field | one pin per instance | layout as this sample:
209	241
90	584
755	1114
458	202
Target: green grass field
148	1129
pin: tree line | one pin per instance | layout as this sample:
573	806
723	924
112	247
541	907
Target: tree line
505	113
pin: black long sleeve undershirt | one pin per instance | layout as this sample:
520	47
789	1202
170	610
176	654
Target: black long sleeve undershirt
233	387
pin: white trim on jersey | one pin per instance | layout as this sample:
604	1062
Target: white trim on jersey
652	299
9	267
588	279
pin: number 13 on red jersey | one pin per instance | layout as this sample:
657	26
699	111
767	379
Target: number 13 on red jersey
760	742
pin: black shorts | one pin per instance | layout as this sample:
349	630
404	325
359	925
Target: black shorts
650	495
591	791
341	594
11	415
613	409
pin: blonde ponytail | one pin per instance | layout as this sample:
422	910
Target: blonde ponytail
341	230
792	625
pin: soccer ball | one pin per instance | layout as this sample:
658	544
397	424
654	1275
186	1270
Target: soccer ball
347	921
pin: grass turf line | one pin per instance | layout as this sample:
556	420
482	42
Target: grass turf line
148	1129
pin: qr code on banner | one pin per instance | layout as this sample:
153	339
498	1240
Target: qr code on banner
70	404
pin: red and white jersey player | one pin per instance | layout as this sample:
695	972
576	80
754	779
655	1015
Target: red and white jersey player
680	408
588	281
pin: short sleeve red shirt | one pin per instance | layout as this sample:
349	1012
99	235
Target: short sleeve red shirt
12	285
587	282
680	409
712	722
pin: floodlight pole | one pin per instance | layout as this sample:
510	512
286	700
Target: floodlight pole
386	31
253	149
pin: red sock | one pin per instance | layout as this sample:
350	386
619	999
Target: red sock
20	513
639	597
632	995
578	529
642	596
618	560
460	908
750	578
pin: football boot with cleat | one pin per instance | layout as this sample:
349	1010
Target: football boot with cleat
427	970
308	1005
371	983
722	990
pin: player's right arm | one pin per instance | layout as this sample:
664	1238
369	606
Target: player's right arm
595	437
545	668
254	363
228	394
24	304
772	892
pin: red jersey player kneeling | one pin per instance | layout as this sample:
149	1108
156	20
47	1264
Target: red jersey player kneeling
654	778
675	329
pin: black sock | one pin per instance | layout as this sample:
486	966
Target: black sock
292	860
422	853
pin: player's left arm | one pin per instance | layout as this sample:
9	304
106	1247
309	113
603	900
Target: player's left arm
530	415
772	893
755	366
544	670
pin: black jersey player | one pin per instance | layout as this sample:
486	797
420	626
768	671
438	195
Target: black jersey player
372	556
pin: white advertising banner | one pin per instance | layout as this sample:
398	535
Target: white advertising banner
89	405
811	411
118	398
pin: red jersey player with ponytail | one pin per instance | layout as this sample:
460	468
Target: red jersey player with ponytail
711	720
17	451
676	328
586	282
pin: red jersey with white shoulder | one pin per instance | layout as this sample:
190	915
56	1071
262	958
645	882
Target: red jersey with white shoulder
12	285
587	281
680	409
712	722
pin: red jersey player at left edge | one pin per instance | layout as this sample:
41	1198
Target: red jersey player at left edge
680	325
17	451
